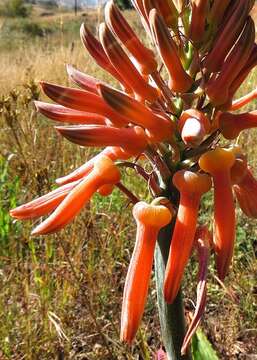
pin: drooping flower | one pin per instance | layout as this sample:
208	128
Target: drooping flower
172	105
150	219
191	187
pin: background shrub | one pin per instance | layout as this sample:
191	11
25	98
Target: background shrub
15	8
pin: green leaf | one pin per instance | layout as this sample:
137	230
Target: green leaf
201	348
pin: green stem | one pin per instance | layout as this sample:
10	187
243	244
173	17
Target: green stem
172	318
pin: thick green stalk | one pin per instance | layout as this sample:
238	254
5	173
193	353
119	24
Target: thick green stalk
172	318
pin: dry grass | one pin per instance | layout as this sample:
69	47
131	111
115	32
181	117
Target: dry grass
60	295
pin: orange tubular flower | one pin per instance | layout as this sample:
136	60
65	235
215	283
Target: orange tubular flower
166	8
238	170
217	11
244	100
247	200
197	25
139	7
86	82
250	64
96	50
179	80
232	124
150	219
138	4
104	172
193	125
124	66
63	114
203	240
191	187
245	188
219	163
226	37
44	204
112	152
132	140
160	127
83	101
106	189
120	27
217	87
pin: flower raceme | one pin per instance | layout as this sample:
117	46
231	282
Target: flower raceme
171	106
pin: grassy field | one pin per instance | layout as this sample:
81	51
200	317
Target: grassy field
61	294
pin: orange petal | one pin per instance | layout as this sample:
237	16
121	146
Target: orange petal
96	50
104	172
86	82
68	208
218	163
137	283
166	9
232	124
179	80
44	204
246	193
244	100
217	10
63	114
124	66
191	186
251	63
198	19
106	189
150	219
120	27
247	201
132	140
217	88
114	153
81	100
230	29
161	128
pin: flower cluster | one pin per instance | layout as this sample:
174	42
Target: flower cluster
174	105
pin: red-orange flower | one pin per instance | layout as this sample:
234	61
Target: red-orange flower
164	120
150	219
